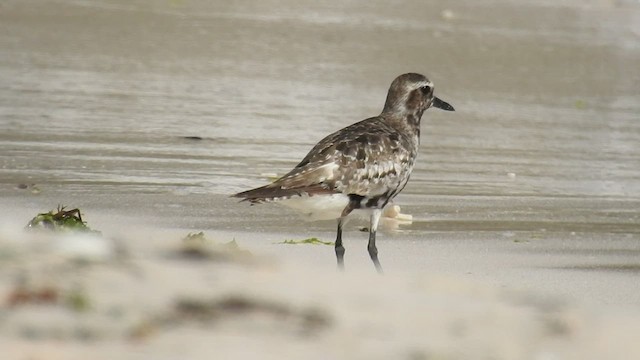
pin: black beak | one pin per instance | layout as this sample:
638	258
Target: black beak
442	104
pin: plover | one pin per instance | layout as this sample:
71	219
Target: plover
360	167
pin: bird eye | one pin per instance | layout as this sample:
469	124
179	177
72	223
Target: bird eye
425	89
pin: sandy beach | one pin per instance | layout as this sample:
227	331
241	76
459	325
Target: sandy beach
110	298
524	241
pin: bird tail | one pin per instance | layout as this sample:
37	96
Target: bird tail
274	192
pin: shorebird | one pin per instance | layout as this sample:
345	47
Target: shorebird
360	167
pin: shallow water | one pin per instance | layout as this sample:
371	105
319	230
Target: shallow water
96	99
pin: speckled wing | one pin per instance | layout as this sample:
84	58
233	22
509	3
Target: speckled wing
369	158
373	161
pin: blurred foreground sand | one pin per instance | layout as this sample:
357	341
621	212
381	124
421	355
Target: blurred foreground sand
66	297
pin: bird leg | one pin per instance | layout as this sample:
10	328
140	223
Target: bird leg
373	250
353	204
339	248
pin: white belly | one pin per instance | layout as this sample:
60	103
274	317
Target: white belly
319	207
322	207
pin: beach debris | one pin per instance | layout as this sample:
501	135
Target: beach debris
196	246
395	212
192	137
60	220
312	241
32	187
23	295
72	237
75	299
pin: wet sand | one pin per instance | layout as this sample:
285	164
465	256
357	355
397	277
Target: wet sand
531	187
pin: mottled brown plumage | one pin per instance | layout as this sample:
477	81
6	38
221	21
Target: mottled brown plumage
365	165
366	159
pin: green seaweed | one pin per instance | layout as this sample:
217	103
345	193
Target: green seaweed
60	220
78	300
580	104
